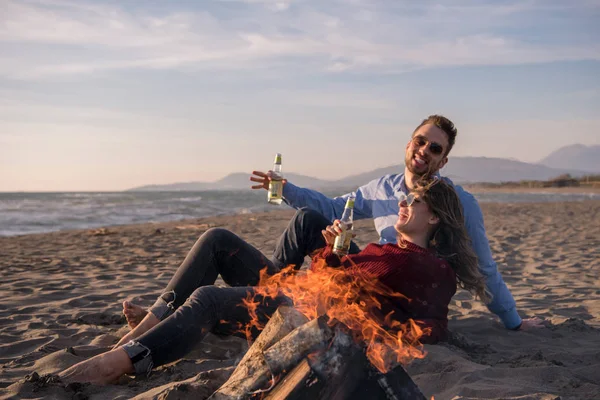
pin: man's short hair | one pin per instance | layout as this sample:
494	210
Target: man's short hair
444	124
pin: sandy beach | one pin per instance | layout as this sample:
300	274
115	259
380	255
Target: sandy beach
62	294
478	189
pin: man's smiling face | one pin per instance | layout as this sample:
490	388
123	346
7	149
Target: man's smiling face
426	152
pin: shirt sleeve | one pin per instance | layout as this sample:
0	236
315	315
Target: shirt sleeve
502	304
331	208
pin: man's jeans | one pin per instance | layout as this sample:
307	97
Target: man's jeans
217	252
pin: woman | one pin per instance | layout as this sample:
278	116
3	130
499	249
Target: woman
433	254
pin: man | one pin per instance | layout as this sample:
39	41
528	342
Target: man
426	153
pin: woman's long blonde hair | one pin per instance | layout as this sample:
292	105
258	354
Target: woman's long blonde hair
450	238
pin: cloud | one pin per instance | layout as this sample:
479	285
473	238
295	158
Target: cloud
275	5
18	110
338	99
41	39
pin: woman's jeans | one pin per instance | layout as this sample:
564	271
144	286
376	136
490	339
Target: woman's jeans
190	307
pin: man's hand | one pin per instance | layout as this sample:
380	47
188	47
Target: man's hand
532	323
263	179
332	231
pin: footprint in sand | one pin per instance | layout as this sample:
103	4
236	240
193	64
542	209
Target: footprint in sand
100	318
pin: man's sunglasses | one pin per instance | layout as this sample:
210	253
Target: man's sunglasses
434	147
407	200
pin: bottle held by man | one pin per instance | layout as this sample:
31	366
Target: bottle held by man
342	241
275	192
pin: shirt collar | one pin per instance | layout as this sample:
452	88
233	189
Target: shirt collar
403	187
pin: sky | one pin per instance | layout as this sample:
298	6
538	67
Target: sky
103	96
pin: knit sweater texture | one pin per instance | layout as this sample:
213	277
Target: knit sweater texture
426	282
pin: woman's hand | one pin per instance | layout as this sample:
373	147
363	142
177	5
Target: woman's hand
332	231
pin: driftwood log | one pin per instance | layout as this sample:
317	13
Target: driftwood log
283	321
295	383
310	337
343	372
277	366
397	385
286	339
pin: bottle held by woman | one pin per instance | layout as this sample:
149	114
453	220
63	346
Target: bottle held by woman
342	241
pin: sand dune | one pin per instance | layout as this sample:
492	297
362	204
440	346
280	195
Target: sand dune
61	296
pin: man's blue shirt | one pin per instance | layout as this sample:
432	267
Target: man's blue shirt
378	200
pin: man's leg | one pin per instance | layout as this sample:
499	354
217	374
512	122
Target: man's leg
217	251
301	238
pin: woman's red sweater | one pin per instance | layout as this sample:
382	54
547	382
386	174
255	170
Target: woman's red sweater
426	282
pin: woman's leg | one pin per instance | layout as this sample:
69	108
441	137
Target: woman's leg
216	252
209	308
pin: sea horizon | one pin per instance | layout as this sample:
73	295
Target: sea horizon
42	212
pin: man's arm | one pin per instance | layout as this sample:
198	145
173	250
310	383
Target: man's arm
502	304
297	197
331	208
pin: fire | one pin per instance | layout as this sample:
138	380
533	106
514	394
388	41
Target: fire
353	298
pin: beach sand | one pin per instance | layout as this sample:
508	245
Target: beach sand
62	294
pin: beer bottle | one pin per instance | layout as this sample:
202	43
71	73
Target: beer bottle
275	193
342	241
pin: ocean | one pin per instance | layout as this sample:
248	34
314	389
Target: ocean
23	213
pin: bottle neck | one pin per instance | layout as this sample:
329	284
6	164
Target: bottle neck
277	168
347	215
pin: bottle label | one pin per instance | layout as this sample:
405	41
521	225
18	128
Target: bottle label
342	241
275	190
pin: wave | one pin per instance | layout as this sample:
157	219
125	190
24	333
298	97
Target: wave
22	213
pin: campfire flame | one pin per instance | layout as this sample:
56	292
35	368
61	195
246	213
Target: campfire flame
351	297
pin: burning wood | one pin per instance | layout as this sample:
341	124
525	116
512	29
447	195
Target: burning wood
269	357
356	300
350	346
283	321
341	371
299	343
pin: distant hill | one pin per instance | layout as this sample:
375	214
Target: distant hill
579	156
484	169
474	169
235	181
459	169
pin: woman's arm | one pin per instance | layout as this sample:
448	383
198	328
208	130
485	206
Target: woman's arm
326	254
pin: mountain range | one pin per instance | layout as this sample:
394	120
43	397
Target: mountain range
576	160
576	156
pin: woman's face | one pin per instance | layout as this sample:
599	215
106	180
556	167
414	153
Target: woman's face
414	216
